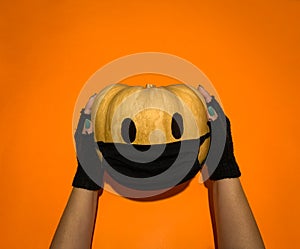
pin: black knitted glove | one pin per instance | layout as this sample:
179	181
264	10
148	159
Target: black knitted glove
87	158
227	166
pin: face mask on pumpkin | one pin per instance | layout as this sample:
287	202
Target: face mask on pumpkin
151	138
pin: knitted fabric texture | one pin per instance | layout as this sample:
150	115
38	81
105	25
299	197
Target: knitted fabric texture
227	166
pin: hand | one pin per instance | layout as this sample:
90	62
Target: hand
227	166
89	104
89	164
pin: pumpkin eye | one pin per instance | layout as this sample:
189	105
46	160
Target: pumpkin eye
177	125
128	130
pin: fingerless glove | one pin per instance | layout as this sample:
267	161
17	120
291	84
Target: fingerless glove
87	158
227	166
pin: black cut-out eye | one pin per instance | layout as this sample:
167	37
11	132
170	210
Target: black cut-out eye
177	125
128	130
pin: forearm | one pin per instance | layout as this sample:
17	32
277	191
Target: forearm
75	229
235	223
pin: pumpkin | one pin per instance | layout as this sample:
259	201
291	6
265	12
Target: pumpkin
142	132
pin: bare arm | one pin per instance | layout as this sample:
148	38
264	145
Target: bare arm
235	225
233	222
76	226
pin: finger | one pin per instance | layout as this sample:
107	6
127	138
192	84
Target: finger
92	98
205	94
81	122
218	109
88	128
89	104
211	101
214	110
212	114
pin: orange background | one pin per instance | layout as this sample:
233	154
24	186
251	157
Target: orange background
248	49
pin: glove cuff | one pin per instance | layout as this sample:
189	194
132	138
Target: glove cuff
228	169
82	180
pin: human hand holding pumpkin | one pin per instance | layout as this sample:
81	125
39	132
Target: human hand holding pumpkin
227	166
231	215
219	124
87	157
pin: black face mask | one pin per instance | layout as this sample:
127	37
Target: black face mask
152	167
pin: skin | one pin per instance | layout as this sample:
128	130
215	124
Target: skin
76	226
233	222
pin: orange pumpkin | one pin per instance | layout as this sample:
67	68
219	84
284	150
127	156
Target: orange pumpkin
142	132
